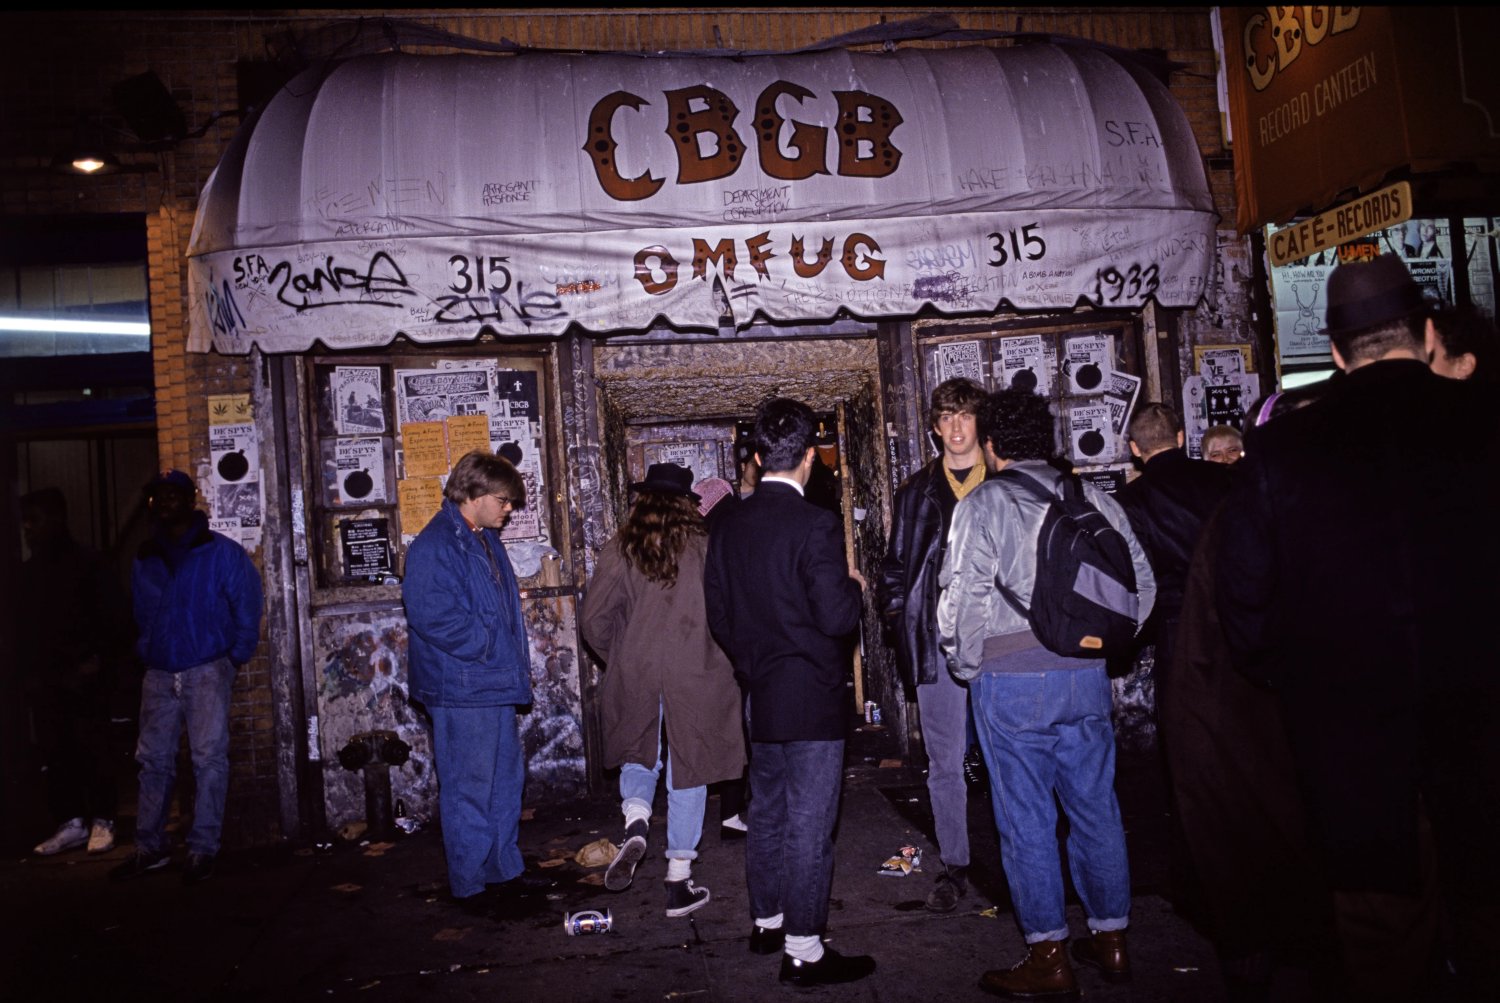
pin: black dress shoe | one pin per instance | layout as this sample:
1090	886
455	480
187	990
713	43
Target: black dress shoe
831	969
765	941
526	883
480	906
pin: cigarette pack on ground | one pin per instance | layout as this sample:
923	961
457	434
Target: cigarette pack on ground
906	860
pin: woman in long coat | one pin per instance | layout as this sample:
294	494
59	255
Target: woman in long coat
643	614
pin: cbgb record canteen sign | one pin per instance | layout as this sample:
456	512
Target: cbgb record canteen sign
442	196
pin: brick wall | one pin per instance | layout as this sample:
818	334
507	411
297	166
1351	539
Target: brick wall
59	68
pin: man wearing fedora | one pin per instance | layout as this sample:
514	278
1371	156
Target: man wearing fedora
1358	578
784	603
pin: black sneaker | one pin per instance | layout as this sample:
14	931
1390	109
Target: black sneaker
683	897
200	867
622	869
831	969
764	940
139	864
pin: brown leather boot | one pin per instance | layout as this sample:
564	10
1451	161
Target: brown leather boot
1044	974
1105	951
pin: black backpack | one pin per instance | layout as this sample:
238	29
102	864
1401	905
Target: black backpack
1084	602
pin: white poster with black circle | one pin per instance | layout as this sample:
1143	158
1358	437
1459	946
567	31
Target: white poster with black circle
1024	365
360	464
1092	435
233	453
1086	363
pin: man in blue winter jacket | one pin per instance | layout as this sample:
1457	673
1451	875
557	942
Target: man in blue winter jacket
198	602
470	665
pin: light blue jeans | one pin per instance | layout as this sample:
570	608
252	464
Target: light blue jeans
481	773
199	698
684	807
1046	732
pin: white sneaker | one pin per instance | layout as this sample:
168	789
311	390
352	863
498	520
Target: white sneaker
69	836
735	822
102	836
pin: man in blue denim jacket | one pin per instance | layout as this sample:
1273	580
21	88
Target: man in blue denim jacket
470	666
198	602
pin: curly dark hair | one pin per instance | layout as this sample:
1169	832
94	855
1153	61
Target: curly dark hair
658	527
1018	425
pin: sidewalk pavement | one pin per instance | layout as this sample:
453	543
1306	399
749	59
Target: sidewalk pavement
370	922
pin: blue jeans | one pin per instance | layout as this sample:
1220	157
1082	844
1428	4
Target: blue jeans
481	771
199	698
789	848
684	807
1046	732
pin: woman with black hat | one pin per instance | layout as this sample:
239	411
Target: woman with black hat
643	614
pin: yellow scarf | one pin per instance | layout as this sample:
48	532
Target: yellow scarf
974	478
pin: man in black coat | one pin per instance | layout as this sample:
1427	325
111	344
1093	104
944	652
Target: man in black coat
907	597
783	602
1357	573
1167	506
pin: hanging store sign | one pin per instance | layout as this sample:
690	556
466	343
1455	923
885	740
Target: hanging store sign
1327	230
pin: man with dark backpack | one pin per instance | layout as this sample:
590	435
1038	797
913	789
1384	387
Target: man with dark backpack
1042	578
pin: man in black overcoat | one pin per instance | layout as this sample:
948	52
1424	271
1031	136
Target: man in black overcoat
1358	577
783	603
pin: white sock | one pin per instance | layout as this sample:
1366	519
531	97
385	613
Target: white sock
678	869
774	923
809	948
635	810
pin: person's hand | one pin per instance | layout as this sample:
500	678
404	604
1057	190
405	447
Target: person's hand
854	574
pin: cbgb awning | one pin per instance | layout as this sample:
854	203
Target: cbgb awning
442	196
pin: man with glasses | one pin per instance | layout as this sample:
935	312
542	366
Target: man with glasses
470	666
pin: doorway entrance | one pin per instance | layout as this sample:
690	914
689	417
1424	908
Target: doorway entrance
692	404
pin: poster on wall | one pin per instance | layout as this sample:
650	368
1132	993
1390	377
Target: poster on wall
229	409
960	359
1024	364
1121	396
419	499
361	470
1209	400
366	547
357	407
236	502
702	458
424	395
1091	434
1086	363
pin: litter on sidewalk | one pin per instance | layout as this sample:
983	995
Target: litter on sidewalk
905	860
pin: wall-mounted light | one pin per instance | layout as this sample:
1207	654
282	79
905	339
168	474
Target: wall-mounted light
87	161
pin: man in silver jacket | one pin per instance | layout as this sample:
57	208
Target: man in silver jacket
1043	719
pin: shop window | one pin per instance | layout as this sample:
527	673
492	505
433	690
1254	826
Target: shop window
385	431
1449	272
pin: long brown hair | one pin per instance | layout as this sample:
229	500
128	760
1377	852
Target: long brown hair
658	527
